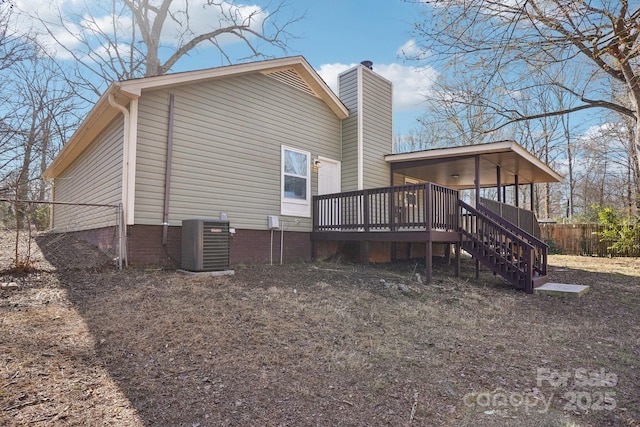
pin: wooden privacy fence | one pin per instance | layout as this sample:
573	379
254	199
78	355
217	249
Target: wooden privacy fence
577	239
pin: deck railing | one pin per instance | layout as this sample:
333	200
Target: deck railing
523	218
414	207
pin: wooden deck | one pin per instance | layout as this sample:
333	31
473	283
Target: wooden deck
418	212
430	213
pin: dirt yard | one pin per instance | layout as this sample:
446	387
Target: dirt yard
322	344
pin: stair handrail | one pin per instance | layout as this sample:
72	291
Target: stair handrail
538	244
511	226
529	249
511	234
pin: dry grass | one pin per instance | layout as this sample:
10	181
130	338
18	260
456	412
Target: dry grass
316	344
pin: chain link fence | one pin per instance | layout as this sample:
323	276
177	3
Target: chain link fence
62	234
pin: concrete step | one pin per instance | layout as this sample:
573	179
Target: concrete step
562	290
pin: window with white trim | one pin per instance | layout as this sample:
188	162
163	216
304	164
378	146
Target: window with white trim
295	182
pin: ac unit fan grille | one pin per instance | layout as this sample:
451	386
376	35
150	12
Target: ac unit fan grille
215	246
205	245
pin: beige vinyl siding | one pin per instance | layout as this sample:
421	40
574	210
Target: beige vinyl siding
227	141
377	117
95	177
153	113
348	88
398	179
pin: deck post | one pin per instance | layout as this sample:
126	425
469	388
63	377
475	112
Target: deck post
457	268
366	251
428	262
477	269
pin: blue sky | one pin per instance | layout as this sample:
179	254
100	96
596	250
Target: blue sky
337	34
333	36
347	31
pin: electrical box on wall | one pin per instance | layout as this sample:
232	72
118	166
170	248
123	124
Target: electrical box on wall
273	221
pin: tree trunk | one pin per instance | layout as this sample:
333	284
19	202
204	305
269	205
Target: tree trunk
570	200
43	161
636	148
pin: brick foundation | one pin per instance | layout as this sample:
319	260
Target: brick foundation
145	246
254	247
251	247
246	246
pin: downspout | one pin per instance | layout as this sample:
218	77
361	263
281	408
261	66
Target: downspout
125	177
167	173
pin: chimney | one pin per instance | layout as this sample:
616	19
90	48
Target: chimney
367	64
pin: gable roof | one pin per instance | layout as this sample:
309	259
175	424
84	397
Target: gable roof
294	71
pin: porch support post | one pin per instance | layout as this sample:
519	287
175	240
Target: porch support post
498	182
531	198
517	191
477	166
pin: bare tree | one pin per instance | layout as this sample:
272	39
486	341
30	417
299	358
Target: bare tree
456	114
124	39
515	44
12	48
41	105
13	51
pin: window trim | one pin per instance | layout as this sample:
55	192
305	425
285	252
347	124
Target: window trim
290	206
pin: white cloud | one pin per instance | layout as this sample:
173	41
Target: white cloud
199	17
410	50
330	72
410	84
185	20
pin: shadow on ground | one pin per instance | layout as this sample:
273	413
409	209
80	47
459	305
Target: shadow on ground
336	344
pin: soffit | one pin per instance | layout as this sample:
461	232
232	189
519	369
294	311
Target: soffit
455	166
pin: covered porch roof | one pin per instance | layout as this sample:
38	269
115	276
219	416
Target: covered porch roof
498	164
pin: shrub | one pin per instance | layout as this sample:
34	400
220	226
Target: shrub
622	235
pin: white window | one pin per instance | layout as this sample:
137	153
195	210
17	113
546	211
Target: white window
296	183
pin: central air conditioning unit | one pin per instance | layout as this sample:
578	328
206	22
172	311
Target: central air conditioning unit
205	245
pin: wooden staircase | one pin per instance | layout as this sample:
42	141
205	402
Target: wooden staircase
503	247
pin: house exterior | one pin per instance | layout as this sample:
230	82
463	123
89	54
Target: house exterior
242	142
